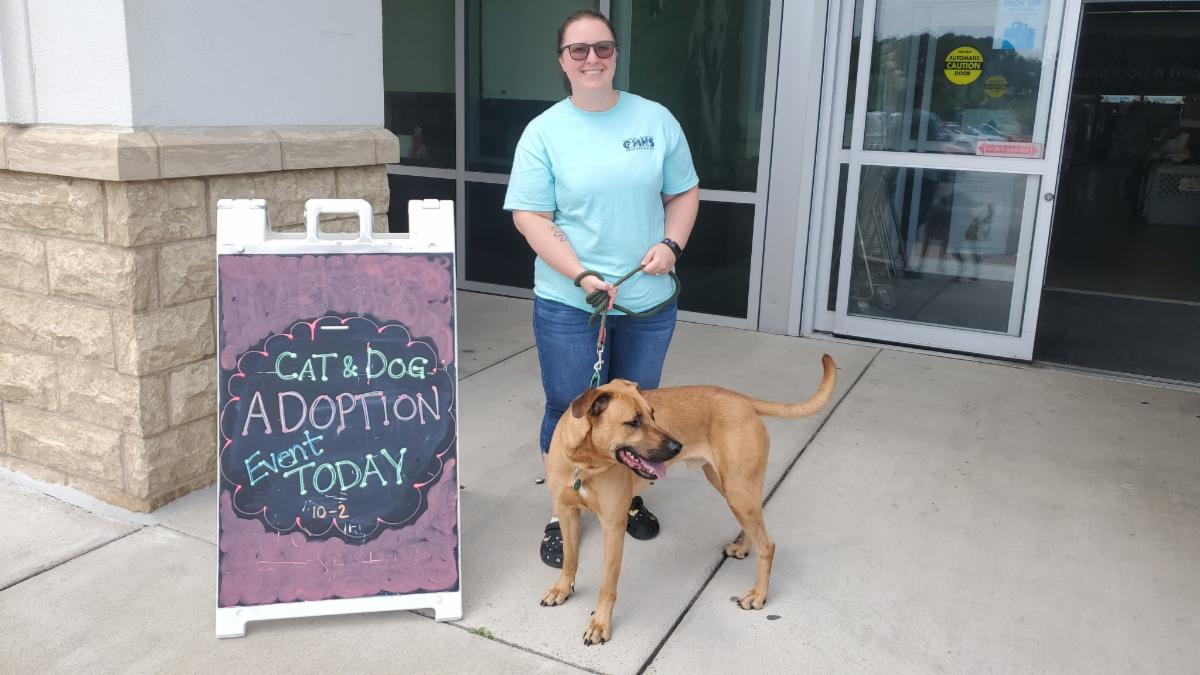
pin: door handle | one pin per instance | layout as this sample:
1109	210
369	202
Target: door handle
1049	196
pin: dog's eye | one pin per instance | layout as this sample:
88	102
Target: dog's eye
637	422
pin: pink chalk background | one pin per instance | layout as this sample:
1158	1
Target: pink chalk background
261	295
260	567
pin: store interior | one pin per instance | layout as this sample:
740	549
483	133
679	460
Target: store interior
1122	290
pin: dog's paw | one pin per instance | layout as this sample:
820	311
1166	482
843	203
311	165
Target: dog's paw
739	548
598	632
753	599
557	594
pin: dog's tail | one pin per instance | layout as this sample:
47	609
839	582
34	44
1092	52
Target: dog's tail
810	407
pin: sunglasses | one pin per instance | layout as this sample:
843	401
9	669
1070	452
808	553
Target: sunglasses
579	50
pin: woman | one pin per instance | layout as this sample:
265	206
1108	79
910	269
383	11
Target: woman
602	182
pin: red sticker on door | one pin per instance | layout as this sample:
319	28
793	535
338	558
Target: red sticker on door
1008	149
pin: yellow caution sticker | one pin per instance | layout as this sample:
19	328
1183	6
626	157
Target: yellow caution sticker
963	65
995	86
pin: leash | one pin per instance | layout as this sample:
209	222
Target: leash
602	303
600	336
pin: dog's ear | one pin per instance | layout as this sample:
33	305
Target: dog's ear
592	401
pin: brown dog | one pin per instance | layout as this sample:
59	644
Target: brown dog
618	438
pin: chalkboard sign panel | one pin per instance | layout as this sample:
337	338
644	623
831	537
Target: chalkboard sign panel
338	425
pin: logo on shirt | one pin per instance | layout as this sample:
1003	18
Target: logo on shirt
642	143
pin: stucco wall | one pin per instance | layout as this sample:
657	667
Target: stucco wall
64	62
191	63
268	62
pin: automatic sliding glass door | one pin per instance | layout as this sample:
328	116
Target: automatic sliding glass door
948	177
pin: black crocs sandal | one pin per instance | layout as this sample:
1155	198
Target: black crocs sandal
552	545
641	524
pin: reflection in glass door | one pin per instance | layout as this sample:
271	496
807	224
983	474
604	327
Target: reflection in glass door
941	247
950	172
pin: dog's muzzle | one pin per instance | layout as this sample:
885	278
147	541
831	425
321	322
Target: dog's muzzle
650	469
646	468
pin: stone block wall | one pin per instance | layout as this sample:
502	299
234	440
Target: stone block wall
107	306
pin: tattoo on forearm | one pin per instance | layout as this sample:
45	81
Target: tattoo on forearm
558	234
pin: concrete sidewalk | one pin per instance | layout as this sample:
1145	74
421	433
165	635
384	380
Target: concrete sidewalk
946	515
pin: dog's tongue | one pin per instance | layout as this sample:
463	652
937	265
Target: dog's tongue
659	468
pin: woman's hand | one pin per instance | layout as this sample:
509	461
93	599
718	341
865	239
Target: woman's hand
591	284
660	259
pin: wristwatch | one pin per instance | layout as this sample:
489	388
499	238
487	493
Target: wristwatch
674	246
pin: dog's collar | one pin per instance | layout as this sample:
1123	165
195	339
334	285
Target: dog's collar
578	481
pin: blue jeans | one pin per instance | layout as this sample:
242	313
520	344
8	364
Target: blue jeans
634	349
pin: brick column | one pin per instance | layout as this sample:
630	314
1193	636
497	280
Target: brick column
107	342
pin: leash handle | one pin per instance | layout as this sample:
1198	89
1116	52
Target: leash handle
597	299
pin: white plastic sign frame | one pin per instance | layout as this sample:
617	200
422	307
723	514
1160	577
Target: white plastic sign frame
243	229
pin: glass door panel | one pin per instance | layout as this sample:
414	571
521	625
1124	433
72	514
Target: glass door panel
942	247
951	170
959	76
418	103
720	92
512	73
717	89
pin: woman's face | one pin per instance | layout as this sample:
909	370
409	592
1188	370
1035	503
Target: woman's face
592	73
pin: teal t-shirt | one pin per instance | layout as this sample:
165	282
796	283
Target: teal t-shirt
603	175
